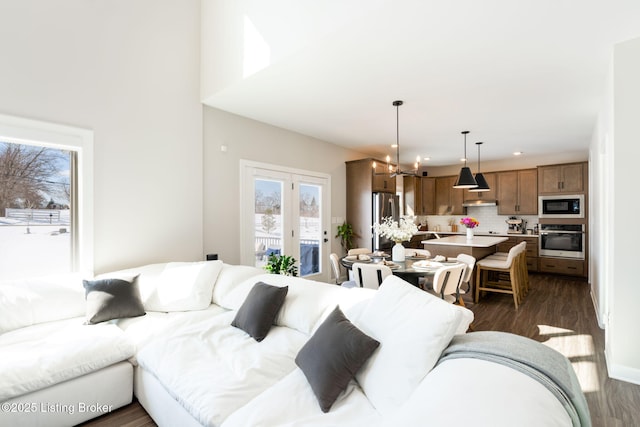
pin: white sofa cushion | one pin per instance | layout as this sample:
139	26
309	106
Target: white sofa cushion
413	328
26	302
307	302
174	286
300	407
229	278
212	369
41	355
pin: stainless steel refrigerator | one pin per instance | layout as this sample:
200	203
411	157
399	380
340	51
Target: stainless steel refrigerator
384	205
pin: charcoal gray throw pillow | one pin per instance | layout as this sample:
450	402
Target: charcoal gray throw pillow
112	298
333	355
259	309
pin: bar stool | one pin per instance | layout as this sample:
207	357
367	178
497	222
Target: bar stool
523	270
511	266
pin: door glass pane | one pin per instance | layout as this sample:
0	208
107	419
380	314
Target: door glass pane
310	230
268	219
35	205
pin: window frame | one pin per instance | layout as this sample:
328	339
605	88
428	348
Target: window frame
25	131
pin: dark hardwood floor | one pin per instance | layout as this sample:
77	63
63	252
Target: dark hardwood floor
558	312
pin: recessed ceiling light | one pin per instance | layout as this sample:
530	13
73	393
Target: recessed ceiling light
394	145
426	158
517	153
463	159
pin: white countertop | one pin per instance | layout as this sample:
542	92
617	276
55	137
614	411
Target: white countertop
477	241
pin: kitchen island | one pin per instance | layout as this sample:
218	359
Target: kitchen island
478	247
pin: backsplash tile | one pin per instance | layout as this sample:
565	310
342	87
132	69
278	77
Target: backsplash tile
486	215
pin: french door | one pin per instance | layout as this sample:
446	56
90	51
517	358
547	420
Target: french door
285	212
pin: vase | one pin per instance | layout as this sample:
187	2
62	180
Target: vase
469	233
397	252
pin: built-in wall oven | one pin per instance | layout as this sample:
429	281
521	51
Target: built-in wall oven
562	240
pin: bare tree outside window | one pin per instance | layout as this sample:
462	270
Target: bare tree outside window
30	177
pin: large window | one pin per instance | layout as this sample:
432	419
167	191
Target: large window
45	198
36	202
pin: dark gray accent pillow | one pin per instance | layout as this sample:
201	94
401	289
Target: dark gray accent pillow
112	298
333	356
259	309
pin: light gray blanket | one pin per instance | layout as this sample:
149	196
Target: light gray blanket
530	357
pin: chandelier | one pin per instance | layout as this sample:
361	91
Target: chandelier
395	170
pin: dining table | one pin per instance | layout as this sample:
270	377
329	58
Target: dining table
410	270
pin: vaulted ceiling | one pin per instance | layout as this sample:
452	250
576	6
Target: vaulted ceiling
520	75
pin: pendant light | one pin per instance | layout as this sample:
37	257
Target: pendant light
482	182
465	179
397	170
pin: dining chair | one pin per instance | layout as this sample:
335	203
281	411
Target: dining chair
358	251
417	252
370	275
470	263
447	280
423	281
335	267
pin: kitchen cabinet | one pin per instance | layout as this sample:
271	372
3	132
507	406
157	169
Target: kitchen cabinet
570	267
419	195
361	184
448	200
518	192
382	181
492	194
412	191
559	179
428	196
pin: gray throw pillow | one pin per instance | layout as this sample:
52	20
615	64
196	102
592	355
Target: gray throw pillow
259	309
112	298
333	355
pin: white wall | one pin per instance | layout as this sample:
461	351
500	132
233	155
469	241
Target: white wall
623	349
251	140
129	71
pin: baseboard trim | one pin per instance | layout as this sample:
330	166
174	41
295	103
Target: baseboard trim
594	301
621	372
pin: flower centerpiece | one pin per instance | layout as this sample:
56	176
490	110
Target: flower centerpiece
470	223
398	231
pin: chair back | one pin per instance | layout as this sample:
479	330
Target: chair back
470	262
447	279
335	266
370	275
421	252
358	251
514	251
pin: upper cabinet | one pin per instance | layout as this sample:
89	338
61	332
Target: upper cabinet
419	195
428	196
382	180
559	179
448	200
492	194
412	190
518	192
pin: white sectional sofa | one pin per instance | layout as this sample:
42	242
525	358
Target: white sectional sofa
188	364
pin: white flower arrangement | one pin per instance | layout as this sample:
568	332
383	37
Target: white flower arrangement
398	231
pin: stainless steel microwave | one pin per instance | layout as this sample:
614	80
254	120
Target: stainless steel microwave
562	206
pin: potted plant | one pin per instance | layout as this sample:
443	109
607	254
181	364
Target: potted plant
345	233
281	264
